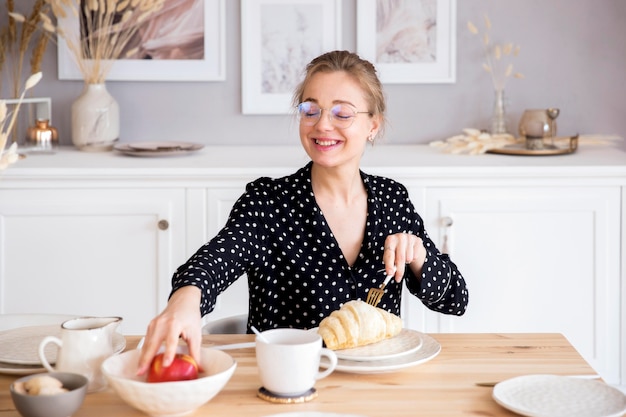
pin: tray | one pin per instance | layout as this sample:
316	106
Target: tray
520	148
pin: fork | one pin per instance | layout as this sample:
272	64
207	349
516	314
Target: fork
374	295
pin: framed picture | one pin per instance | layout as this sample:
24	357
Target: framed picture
204	57
279	37
31	110
409	41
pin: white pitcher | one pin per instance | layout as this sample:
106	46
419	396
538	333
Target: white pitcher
85	343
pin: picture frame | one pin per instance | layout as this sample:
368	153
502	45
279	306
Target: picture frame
211	68
278	39
421	52
31	109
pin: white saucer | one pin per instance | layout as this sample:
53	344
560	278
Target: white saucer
429	349
407	341
559	396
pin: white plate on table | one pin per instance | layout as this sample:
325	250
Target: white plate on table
407	341
19	342
559	396
429	349
13	321
152	149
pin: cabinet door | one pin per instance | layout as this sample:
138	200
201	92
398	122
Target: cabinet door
536	260
234	300
90	252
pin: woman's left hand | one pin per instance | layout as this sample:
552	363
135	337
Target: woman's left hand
402	249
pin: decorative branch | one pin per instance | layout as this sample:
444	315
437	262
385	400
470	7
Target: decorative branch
497	56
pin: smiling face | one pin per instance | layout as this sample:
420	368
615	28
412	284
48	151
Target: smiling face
326	144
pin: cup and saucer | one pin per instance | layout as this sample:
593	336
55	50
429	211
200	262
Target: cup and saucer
289	364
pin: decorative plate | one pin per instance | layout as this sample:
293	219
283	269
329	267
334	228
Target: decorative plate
152	149
162	146
407	341
559	396
520	148
430	348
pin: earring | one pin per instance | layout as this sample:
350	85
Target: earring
370	138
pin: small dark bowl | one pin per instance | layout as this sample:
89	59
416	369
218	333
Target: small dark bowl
57	405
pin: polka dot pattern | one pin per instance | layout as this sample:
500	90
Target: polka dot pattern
297	275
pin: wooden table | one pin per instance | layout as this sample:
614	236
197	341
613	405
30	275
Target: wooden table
444	386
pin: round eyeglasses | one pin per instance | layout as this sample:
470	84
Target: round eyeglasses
341	116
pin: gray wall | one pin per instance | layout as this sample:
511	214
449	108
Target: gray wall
573	57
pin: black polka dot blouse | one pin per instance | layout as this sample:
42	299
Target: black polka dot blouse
297	275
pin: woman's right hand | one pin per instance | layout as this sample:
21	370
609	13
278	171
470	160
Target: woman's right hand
180	319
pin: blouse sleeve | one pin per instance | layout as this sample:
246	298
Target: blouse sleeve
441	286
225	258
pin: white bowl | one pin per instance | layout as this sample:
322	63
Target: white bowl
168	399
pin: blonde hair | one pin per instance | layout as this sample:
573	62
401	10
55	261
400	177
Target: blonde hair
360	69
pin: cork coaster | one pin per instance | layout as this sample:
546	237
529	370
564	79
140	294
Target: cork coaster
286	399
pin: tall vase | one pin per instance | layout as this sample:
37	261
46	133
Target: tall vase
498	118
95	119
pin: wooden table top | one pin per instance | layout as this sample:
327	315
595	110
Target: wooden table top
443	386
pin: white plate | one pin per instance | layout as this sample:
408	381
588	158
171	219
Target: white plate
13	321
167	149
407	341
18	355
429	349
13	369
556	396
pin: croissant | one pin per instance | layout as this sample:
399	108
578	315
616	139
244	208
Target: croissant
357	323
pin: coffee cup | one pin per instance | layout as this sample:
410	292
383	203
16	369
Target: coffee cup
289	360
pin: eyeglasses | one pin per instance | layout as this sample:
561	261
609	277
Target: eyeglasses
341	116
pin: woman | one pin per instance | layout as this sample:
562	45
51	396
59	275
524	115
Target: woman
311	241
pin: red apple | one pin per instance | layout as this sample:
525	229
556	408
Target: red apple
183	368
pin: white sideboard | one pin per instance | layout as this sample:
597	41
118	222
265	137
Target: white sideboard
540	240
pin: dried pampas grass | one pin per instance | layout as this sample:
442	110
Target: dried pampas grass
497	56
17	43
107	27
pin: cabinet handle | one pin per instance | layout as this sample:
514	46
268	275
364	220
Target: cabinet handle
163	224
446	221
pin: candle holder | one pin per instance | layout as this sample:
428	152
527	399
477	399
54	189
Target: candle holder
534	126
42	137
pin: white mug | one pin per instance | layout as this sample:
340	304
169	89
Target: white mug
85	343
289	360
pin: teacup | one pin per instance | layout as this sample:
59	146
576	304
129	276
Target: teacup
85	343
289	360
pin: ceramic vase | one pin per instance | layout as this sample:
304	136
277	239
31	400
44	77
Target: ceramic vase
95	119
498	118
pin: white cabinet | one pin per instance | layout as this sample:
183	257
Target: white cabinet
540	241
90	251
536	259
